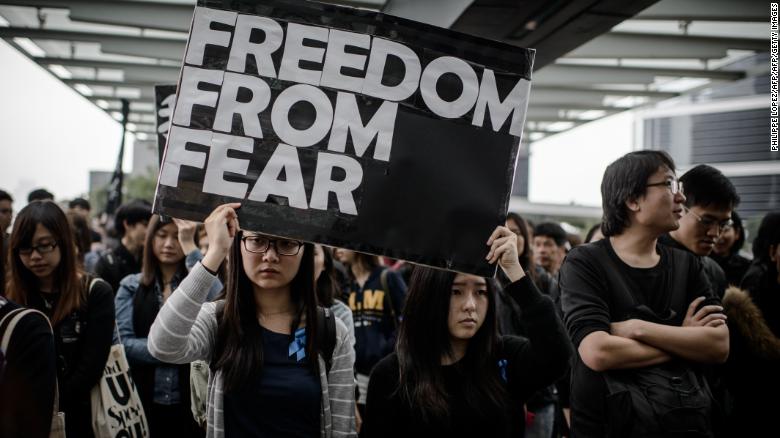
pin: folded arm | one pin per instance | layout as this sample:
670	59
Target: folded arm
704	344
601	351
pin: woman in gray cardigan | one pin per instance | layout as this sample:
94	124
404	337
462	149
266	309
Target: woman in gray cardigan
268	373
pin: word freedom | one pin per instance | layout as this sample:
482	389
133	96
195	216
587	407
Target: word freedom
251	101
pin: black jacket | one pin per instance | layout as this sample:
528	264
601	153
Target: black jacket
82	342
27	376
117	264
146	305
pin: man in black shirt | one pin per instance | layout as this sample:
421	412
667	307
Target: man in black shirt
710	199
631	303
130	223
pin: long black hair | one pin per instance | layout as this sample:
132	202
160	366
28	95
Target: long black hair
327	291
527	257
423	340
150	264
67	276
768	235
239	347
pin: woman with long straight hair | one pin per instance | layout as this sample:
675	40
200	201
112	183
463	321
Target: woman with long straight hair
274	371
44	275
541	406
452	374
164	388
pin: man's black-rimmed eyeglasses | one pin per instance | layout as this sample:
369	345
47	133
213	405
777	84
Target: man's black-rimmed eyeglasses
707	223
674	185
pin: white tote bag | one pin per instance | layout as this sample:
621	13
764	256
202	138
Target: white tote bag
116	405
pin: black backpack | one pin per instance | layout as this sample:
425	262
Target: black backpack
666	400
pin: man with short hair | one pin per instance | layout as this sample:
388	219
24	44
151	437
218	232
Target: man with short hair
40	195
549	246
80	206
6	210
709	200
6	214
638	311
130	222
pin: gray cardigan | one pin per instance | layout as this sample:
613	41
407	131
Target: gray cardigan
186	330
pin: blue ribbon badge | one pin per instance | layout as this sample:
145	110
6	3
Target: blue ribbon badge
298	345
502	364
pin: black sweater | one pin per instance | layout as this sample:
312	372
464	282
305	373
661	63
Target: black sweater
28	377
82	342
533	362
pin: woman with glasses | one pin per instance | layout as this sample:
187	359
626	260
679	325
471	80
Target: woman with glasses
44	275
164	388
271	372
452	374
727	248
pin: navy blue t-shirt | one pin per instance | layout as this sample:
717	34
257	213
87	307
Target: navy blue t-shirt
282	400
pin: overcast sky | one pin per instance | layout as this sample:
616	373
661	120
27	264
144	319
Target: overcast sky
52	137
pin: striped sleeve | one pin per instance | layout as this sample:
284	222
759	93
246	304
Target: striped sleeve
341	385
344	313
185	329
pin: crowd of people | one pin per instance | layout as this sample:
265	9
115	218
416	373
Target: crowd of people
655	323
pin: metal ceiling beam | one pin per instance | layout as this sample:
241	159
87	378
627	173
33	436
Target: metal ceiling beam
707	10
571	97
574	24
136	84
161	48
149	15
601	91
142	14
442	13
558	114
114	104
133	72
642	45
570	74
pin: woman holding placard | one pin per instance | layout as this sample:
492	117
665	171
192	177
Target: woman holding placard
451	374
281	366
43	275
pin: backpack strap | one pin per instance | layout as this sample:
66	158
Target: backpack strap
13	317
326	328
389	295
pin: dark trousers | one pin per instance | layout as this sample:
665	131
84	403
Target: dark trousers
167	421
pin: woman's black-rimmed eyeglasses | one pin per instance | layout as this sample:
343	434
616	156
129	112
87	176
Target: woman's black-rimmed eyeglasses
260	244
42	248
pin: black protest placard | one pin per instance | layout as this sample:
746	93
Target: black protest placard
165	100
347	127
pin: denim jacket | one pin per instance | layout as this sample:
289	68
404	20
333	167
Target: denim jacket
166	378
